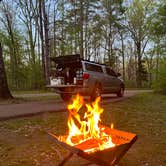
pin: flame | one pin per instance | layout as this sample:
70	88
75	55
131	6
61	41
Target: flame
86	128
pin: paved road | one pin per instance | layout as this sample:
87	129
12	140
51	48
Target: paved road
8	111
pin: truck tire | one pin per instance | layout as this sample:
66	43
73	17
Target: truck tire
120	93
66	97
96	93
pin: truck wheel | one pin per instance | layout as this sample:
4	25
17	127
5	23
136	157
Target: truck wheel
120	92
96	93
66	97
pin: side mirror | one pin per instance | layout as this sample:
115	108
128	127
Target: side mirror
118	74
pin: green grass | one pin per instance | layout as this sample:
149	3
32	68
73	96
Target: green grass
39	98
18	100
25	142
31	91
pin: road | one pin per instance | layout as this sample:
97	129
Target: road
8	111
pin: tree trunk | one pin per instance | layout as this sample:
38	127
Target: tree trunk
157	62
42	38
13	52
54	30
139	79
4	90
81	30
123	57
46	50
109	47
86	29
75	29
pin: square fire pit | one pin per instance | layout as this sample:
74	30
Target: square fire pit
106	157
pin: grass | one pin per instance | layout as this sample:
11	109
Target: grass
31	91
23	99
24	141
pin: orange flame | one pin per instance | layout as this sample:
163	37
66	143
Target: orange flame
86	128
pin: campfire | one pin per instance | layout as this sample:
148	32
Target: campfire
88	138
87	129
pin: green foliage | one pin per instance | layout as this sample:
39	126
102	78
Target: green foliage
92	25
160	23
22	74
160	82
143	71
13	57
158	32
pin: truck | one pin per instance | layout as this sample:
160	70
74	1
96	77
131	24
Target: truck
72	75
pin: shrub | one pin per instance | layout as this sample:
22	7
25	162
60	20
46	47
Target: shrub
160	82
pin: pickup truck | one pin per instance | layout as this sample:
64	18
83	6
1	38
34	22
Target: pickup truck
71	75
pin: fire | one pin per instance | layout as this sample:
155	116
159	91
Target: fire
86	128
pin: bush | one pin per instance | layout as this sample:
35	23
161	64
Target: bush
160	83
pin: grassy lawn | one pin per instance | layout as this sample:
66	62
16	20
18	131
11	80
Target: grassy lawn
31	92
23	99
25	142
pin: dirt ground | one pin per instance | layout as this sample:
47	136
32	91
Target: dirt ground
24	141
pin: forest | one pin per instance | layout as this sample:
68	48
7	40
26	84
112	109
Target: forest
128	35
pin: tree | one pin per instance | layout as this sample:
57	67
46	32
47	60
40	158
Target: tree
43	17
8	20
138	23
113	10
160	83
159	36
32	31
27	15
46	44
82	25
131	63
122	34
4	90
77	14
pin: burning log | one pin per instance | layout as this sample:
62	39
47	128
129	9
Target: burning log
90	140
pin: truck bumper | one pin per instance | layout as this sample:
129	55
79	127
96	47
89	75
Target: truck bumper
71	89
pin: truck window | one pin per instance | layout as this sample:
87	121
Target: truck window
93	67
110	72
